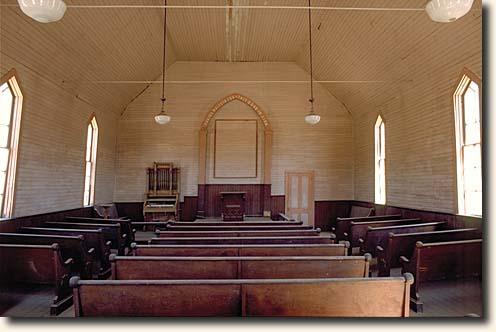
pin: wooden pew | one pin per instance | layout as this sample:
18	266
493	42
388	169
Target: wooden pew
237	228
243	240
235	223
204	234
70	247
442	260
92	238
24	264
335	297
241	250
359	229
282	267
378	236
398	245
111	232
126	226
342	228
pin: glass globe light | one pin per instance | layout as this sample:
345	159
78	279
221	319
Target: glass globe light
44	11
312	118
447	10
162	118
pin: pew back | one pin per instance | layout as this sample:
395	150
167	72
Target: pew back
243	240
241	250
359	229
342	228
237	228
236	223
283	267
205	234
126	225
358	297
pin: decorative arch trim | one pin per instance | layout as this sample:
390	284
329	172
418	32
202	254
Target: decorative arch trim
236	96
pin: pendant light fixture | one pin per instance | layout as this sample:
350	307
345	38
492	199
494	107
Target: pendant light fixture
312	117
447	10
162	118
44	11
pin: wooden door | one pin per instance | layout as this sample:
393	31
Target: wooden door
300	196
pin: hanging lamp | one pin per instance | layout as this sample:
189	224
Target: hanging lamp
447	10
162	118
312	117
44	11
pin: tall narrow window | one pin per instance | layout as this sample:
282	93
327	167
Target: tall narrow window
90	173
10	121
380	161
467	103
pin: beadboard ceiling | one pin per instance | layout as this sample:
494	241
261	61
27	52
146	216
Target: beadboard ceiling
368	56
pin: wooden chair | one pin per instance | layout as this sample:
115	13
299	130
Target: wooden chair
442	260
335	297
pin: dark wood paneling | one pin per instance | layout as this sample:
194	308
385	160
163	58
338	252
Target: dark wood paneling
326	213
133	210
189	208
255	199
12	225
278	205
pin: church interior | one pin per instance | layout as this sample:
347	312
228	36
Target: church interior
241	158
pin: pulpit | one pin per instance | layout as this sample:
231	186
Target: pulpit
233	206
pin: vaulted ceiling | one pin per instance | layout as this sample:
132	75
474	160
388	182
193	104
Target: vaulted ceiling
363	57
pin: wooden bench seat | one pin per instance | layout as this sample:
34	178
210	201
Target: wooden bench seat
92	238
342	226
359	229
204	234
282	267
37	264
236	223
237	228
378	236
243	240
442	260
111	232
70	247
127	228
335	297
398	245
242	250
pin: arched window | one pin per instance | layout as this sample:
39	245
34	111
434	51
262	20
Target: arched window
468	129
10	122
380	161
90	172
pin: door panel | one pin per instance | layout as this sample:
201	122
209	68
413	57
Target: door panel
300	196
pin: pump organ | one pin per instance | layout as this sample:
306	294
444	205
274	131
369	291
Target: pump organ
163	192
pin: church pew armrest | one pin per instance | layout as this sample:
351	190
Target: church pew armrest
68	262
404	260
361	241
379	249
91	252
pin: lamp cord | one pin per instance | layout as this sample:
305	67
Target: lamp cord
311	52
164	55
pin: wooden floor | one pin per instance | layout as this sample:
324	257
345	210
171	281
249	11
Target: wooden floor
441	298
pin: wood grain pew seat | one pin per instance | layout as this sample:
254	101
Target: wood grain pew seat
111	232
236	228
334	297
126	225
340	249
243	240
398	245
203	234
70	247
358	229
378	236
342	227
92	238
442	260
24	264
282	267
235	223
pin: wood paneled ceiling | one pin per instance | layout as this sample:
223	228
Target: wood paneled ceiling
387	49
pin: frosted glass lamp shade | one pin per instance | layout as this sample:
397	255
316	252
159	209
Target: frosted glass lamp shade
162	119
312	118
447	10
44	11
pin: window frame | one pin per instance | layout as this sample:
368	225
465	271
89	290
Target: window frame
11	78
380	121
463	84
93	159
